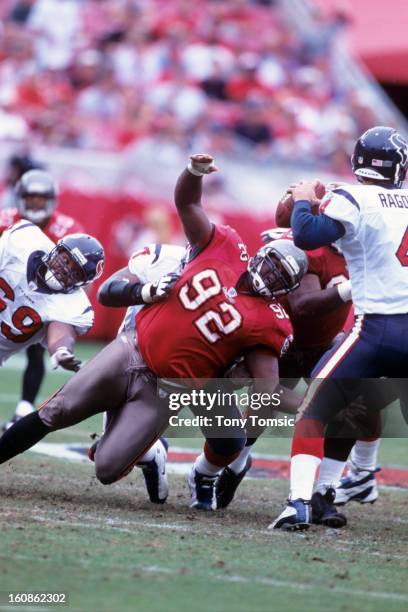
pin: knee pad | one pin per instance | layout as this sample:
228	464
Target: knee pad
221	451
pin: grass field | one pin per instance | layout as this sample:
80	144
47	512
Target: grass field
110	549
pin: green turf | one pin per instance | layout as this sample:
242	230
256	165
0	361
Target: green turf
392	451
111	550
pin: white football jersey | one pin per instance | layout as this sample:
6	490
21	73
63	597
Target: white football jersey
25	309
149	264
375	244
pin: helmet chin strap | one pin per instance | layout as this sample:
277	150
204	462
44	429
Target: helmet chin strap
51	282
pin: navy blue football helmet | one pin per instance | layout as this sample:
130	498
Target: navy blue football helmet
381	154
76	260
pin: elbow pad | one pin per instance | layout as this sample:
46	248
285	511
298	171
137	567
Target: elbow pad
121	293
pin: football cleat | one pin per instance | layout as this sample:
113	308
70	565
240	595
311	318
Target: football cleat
228	483
22	409
202	490
324	512
295	517
155	475
359	485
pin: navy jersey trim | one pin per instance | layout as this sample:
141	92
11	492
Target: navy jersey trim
348	197
28	224
157	251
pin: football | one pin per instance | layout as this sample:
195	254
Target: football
285	205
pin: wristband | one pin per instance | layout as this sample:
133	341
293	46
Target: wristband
146	293
199	168
344	290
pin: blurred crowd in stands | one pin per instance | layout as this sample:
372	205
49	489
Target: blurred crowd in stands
227	76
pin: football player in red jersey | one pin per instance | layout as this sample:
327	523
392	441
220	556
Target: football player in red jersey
222	305
318	310
35	199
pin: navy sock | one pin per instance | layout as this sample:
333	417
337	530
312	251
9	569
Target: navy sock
22	435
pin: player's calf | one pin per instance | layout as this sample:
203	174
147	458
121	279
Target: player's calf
22	409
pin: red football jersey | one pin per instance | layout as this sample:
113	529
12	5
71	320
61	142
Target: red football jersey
319	331
205	324
58	226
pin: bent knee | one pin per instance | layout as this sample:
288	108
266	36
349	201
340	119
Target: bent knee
105	470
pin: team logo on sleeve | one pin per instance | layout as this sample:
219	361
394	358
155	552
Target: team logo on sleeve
145	251
326	201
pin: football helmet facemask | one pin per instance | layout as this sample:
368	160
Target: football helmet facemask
277	268
75	261
36	196
381	154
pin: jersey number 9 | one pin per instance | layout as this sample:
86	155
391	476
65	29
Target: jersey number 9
25	319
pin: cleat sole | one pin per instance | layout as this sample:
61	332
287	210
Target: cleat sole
335	522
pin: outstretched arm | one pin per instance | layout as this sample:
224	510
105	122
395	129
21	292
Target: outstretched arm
263	366
125	289
187	195
61	339
310	299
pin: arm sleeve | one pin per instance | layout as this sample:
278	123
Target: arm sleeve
341	205
313	231
141	261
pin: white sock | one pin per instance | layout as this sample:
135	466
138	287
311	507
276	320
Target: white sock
150	454
23	408
302	475
364	454
330	474
240	462
205	467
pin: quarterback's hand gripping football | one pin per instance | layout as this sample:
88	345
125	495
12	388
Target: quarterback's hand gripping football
155	292
65	359
201	164
311	191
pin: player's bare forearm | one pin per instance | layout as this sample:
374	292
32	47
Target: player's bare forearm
60	334
311	300
263	366
187	195
317	302
289	400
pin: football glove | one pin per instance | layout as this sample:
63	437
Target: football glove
154	292
65	359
